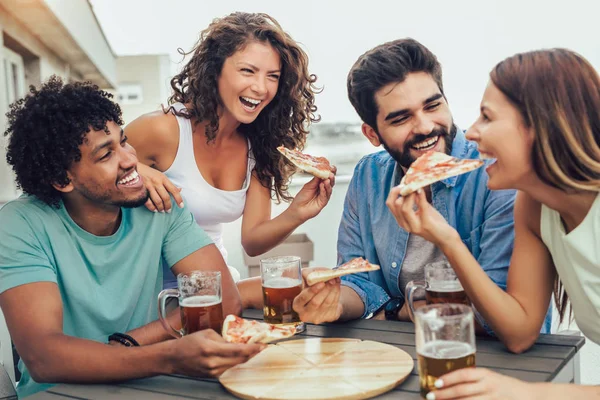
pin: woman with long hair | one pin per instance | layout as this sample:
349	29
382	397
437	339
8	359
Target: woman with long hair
245	91
540	122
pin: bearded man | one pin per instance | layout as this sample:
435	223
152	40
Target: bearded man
396	89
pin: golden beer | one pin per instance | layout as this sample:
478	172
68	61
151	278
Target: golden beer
201	312
199	295
278	295
440	357
446	292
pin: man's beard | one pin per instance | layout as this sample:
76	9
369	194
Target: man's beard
105	198
133	203
405	159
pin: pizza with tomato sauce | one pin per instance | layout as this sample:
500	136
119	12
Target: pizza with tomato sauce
353	266
432	167
316	166
240	330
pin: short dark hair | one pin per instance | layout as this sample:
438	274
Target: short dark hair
46	128
384	64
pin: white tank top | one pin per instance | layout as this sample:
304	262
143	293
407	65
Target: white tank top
211	206
576	256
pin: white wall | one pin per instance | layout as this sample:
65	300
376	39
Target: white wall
468	36
165	75
152	72
6	179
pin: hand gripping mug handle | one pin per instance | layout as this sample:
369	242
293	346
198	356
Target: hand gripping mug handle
410	293
162	301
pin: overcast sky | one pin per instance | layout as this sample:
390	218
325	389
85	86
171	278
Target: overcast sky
468	36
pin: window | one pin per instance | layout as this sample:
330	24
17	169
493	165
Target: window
130	93
12	87
14	75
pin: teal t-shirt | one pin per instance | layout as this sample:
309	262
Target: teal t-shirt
107	283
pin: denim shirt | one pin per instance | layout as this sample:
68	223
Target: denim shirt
482	217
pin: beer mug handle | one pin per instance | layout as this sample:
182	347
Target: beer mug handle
410	293
162	301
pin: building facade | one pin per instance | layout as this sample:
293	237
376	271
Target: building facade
143	84
40	38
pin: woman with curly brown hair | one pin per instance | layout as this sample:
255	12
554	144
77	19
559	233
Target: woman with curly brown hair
245	91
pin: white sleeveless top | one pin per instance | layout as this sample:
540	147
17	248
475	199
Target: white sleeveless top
576	256
211	206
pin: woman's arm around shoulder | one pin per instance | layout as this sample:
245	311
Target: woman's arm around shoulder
155	137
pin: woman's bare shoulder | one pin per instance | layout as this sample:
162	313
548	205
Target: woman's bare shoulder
153	135
153	125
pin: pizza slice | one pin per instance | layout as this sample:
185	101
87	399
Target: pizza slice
432	167
240	330
351	267
316	166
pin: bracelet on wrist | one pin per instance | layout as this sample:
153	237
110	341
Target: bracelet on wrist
124	339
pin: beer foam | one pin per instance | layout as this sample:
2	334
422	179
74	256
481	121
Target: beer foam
447	349
282	282
200	301
446	286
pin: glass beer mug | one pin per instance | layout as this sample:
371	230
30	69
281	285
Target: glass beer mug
445	341
200	303
441	285
281	282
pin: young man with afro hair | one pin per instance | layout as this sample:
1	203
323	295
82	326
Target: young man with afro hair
79	260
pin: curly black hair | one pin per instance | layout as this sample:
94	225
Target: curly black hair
284	121
46	128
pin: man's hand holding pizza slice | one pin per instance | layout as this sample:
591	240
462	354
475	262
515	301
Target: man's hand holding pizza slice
321	299
240	330
315	304
416	215
408	202
319	303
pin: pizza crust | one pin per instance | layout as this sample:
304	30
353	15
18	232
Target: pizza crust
314	171
239	330
306	165
345	269
432	167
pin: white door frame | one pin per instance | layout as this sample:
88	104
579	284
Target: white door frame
14	75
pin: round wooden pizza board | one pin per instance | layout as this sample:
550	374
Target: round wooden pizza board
319	368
